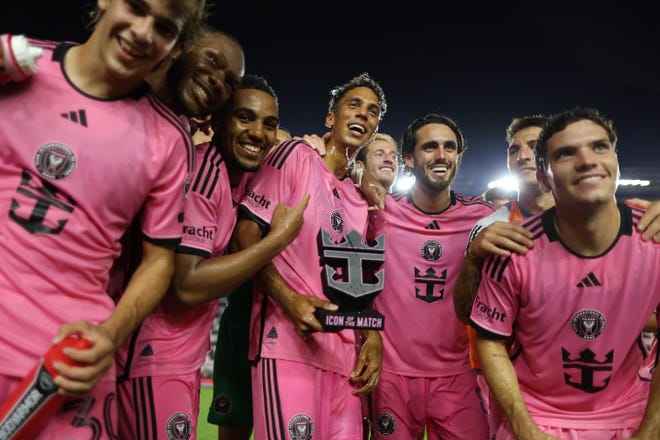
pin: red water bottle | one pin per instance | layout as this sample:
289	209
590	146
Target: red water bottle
30	406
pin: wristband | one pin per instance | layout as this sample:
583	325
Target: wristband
19	56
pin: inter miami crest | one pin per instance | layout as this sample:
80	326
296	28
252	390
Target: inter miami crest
431	250
301	427
386	424
588	324
55	161
222	404
179	427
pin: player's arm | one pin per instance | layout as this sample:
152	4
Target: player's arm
369	362
498	238
650	427
649	224
503	384
144	291
298	307
198	279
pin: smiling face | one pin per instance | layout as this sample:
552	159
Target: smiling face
435	159
521	159
135	35
207	74
355	117
247	129
380	161
581	165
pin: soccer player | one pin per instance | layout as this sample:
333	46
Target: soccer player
84	148
578	312
427	382
306	380
379	158
200	80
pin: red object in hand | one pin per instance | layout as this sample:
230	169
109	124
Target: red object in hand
35	400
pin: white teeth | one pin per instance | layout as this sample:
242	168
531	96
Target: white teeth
251	148
128	48
201	93
357	128
439	169
589	179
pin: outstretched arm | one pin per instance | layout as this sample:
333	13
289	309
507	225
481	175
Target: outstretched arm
499	238
298	307
503	383
198	279
145	290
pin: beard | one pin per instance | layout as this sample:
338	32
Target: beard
422	178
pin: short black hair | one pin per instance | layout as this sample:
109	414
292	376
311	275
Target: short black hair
560	121
362	80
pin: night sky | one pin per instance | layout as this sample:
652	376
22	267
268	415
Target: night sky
479	64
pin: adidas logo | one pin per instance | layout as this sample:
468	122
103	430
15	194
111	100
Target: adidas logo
434	225
589	281
78	117
272	334
147	351
335	192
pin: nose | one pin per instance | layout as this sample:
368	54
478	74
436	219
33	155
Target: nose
585	158
525	154
256	130
143	29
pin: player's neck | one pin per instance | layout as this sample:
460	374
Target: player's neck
430	200
588	230
534	201
86	69
336	159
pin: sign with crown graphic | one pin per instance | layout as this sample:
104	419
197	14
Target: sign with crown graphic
351	279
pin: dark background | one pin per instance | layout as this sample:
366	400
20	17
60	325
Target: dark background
481	64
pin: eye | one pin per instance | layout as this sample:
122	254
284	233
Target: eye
513	150
214	60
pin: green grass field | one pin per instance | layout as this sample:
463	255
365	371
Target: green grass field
205	431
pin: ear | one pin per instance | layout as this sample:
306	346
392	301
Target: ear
176	51
408	160
329	120
544	181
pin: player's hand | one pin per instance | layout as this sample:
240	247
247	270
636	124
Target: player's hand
373	190
286	222
300	309
77	380
316	142
501	238
369	364
649	224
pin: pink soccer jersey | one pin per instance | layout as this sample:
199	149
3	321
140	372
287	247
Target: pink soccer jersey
578	321
335	208
172	339
74	172
422	335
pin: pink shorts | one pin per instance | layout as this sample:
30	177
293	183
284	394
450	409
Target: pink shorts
159	407
448	407
292	400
